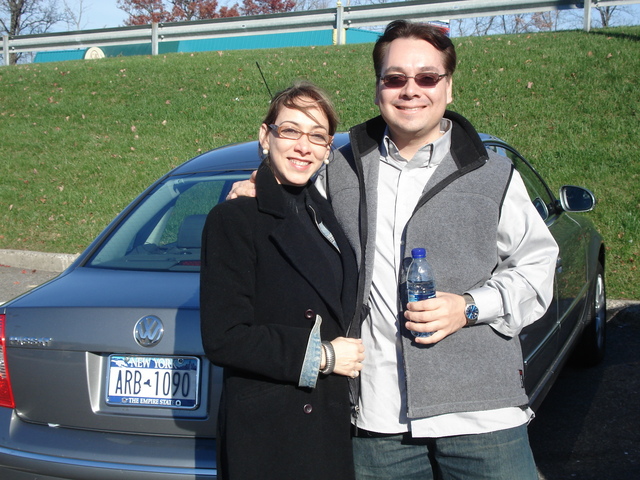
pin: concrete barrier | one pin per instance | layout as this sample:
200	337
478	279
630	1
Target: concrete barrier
50	262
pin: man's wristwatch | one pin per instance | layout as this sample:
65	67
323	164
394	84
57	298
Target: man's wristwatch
471	310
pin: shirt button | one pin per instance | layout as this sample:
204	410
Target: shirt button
308	408
309	314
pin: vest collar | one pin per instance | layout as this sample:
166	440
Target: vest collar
467	148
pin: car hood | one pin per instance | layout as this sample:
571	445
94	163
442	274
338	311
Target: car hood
97	288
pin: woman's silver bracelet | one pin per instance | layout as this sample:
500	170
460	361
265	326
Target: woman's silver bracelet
330	356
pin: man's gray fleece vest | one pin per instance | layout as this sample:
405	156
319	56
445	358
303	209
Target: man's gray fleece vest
456	221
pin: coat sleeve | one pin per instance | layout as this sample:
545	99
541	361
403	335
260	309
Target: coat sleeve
235	333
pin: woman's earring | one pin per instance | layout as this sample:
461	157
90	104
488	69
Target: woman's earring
327	160
265	152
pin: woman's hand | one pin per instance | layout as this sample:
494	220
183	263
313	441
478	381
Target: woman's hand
349	356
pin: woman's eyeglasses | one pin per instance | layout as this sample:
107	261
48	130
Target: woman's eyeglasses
292	133
424	80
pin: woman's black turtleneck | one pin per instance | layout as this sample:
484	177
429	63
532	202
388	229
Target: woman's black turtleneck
299	202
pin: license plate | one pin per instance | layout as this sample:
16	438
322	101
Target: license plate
148	381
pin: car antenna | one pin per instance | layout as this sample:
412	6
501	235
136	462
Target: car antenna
264	80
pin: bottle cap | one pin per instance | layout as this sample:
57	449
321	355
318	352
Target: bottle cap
418	253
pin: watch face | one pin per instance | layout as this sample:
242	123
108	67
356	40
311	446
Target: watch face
471	312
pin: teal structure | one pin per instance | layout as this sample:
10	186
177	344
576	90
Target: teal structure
249	42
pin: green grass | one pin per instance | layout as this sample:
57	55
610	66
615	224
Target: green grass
81	139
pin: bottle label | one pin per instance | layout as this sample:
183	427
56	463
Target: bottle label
417	291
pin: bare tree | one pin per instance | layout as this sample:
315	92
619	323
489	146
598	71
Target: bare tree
475	26
605	15
545	21
26	17
305	5
74	16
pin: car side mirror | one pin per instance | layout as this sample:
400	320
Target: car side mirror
576	199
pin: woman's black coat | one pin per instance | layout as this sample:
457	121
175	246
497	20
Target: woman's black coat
263	282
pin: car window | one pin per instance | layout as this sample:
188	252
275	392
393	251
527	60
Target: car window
538	191
163	232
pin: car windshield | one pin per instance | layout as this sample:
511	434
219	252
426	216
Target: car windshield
163	232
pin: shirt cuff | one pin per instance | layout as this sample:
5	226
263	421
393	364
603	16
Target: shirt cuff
489	304
312	357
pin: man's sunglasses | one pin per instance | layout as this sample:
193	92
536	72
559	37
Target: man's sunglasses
424	80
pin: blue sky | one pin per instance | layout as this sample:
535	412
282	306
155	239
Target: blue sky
99	14
105	13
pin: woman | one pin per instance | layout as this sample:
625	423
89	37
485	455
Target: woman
278	287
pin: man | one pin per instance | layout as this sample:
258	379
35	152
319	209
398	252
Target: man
450	405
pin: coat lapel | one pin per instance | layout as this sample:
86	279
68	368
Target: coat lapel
298	250
292	239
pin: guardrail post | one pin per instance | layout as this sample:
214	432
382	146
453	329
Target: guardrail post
154	38
587	15
339	32
5	50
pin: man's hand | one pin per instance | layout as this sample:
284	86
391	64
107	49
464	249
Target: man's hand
243	188
442	315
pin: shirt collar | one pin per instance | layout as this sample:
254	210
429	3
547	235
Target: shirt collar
429	155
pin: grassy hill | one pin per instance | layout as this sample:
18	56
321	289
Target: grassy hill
81	139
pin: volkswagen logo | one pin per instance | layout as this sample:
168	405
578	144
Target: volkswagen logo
148	331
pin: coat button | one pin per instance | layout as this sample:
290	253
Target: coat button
308	408
309	314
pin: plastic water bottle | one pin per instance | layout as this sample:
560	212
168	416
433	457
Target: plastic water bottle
420	282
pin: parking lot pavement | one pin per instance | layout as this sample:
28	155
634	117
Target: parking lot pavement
22	270
15	281
588	427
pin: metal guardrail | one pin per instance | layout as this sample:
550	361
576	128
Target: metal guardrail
339	18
